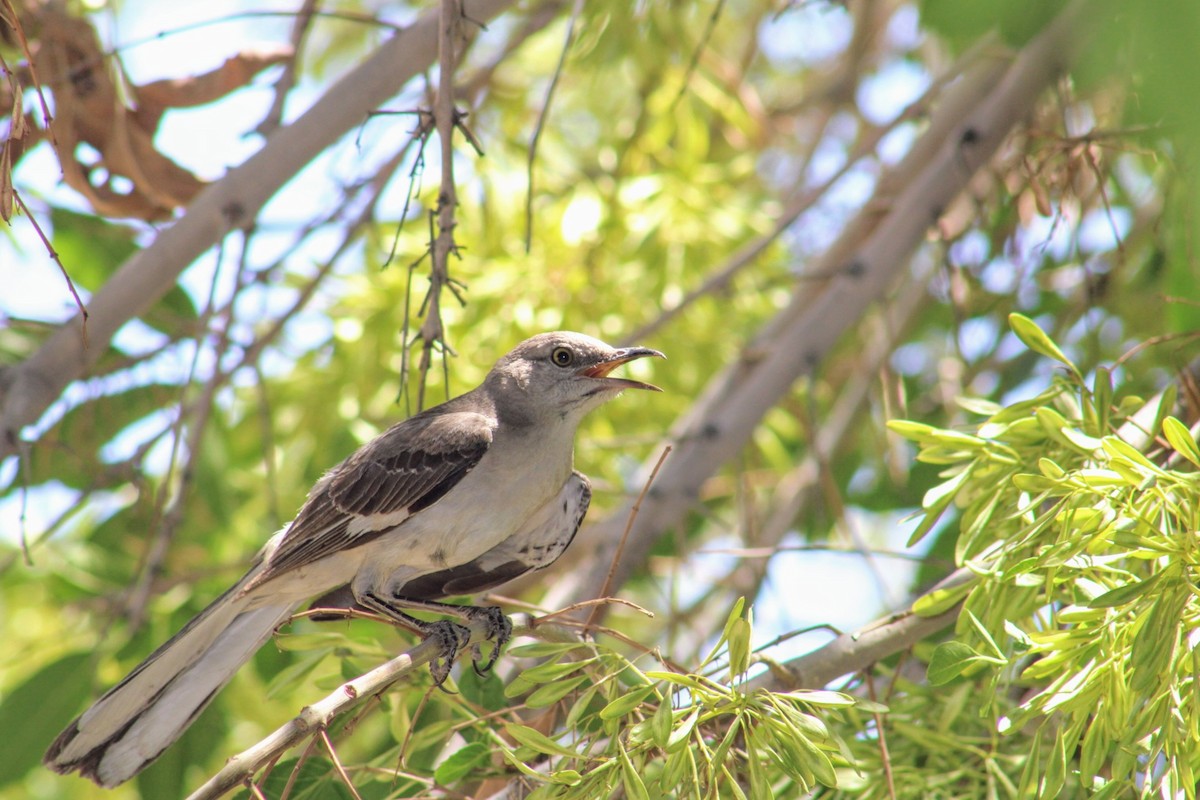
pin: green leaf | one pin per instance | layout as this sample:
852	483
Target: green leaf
939	601
951	659
680	734
485	690
1157	641
735	614
550	693
541	649
537	741
739	648
635	787
625	703
462	763
823	697
660	723
34	712
936	501
1125	594
543	673
1036	340
1180	439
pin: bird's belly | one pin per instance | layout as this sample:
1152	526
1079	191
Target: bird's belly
486	508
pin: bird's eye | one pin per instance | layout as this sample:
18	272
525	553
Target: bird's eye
562	357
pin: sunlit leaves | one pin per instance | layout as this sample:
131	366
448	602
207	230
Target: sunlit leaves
1081	588
660	733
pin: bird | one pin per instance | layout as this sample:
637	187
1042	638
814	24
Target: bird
456	499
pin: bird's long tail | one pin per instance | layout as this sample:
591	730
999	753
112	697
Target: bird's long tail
145	713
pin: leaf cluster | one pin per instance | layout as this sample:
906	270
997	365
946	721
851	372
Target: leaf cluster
1085	553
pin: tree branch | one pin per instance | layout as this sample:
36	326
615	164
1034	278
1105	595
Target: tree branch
316	718
864	264
30	388
858	650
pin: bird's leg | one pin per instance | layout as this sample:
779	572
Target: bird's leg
499	626
451	636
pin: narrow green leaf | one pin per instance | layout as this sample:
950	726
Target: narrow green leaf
939	601
625	703
976	405
660	723
674	768
739	648
538	741
522	767
541	649
566	777
680	734
1119	447
635	787
552	671
1056	768
462	763
1038	341
550	693
1125	594
936	501
1180	438
823	697
913	431
1157	641
1093	752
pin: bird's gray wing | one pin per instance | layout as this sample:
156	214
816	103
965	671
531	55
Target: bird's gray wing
407	468
545	537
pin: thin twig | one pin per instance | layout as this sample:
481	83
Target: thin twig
442	245
633	512
50	251
301	25
576	10
695	60
337	764
881	733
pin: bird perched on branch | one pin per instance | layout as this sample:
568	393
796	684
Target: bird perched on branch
457	499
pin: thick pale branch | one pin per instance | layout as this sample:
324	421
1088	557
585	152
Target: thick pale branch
860	649
866	262
319	715
26	391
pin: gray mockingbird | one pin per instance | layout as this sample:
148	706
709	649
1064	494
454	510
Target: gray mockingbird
454	500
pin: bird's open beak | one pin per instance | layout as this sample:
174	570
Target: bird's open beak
623	356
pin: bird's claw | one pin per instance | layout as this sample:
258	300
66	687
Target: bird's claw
450	637
499	631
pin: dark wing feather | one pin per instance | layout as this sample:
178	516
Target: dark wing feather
408	467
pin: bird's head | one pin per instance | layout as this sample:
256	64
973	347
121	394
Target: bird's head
567	374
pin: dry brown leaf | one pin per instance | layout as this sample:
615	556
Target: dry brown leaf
197	90
105	147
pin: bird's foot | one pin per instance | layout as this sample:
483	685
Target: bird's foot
499	631
450	638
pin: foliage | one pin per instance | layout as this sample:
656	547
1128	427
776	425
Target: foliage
1084	549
